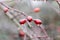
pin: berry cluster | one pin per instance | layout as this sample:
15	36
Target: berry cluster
23	21
30	19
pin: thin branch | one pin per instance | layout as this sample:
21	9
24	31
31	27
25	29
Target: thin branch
58	3
58	12
41	27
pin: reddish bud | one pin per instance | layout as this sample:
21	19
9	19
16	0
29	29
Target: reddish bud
36	10
23	21
29	18
21	33
37	21
5	10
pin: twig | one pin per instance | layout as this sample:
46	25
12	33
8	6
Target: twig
58	3
41	27
58	12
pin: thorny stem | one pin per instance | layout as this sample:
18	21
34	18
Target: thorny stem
22	14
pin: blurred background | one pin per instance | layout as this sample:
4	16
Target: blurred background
49	14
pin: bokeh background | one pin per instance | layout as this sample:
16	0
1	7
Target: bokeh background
49	16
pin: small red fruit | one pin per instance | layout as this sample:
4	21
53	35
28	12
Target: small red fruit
36	10
21	33
23	21
5	10
29	18
37	21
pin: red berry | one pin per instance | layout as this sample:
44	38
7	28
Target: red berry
5	10
37	21
23	21
29	18
36	10
21	33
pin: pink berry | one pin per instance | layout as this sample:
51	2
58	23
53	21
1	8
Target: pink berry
37	21
36	10
23	21
5	10
21	33
29	18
